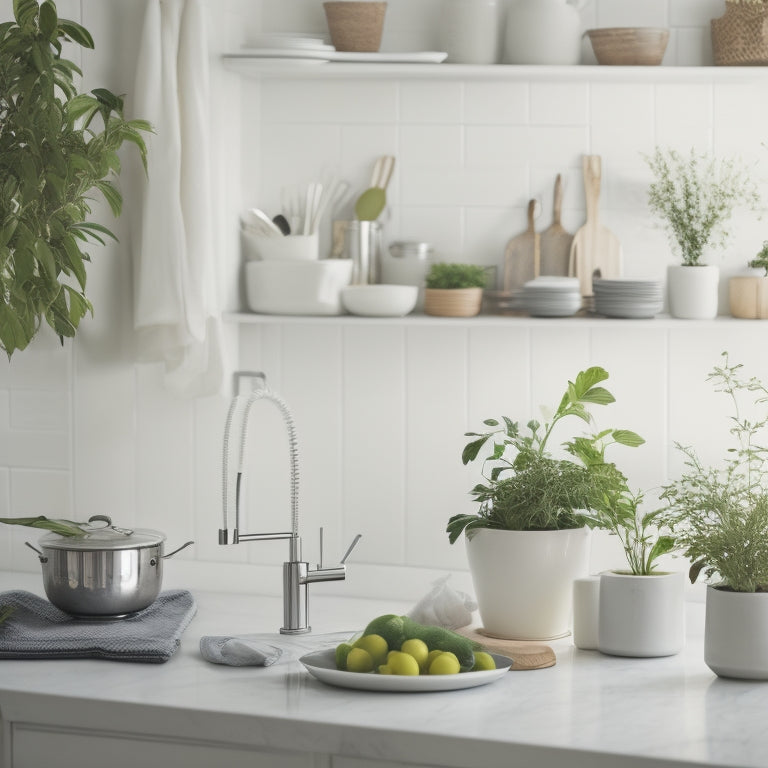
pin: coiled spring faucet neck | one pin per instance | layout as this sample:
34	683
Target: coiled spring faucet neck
296	573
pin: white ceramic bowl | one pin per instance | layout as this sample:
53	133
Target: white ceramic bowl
297	287
379	300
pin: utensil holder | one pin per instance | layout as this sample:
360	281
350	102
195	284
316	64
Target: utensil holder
361	244
287	248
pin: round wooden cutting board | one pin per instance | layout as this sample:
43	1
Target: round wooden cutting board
526	654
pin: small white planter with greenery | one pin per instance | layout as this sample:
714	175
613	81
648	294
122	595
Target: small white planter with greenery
641	616
692	291
529	541
736	633
719	517
534	599
694	197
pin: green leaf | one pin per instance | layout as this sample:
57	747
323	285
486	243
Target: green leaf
458	524
663	545
48	19
62	527
627	437
46	259
472	449
695	569
597	395
75	32
111	195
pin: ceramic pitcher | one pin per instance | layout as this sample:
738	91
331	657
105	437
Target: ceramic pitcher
543	32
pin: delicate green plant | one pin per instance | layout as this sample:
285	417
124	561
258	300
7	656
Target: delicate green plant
448	275
719	515
695	197
62	527
52	158
761	260
542	492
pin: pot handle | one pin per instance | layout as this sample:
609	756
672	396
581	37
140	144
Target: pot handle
183	546
40	555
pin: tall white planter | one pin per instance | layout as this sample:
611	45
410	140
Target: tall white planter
736	634
641	616
524	580
693	291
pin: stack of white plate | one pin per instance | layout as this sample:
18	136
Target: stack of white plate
552	296
628	298
293	47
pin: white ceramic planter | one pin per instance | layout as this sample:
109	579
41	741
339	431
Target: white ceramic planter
693	291
641	616
524	580
736	634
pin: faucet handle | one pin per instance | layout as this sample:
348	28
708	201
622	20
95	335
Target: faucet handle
346	554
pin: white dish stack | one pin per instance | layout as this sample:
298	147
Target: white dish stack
552	296
627	298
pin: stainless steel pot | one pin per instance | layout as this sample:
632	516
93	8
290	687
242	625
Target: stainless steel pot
109	572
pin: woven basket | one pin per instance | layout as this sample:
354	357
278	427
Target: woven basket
453	302
355	26
740	35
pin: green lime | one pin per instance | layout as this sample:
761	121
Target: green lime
418	649
376	645
359	660
483	661
341	655
445	664
403	664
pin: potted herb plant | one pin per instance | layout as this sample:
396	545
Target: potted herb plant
695	197
641	610
529	539
748	294
719	517
57	148
454	290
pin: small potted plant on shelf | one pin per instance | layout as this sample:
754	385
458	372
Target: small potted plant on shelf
529	539
641	609
719	517
53	158
748	294
454	290
695	197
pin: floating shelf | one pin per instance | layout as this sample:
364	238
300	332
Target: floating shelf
260	68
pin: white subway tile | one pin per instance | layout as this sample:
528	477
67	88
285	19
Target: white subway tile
744	136
622	119
442	227
629	13
559	103
437	147
427	101
694	47
494	103
690	13
684	116
40	411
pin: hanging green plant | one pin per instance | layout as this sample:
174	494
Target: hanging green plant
57	148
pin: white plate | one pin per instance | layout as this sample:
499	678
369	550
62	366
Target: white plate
419	57
282	53
286	40
322	665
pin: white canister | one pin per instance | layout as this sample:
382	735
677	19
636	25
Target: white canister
586	606
407	263
543	32
470	31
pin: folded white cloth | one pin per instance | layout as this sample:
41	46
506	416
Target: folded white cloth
443	606
176	313
262	650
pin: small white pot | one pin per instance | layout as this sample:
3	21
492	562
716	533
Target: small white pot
641	616
523	580
736	634
693	291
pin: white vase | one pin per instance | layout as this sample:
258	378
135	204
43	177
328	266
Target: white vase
641	616
693	291
543	32
470	31
523	580
736	634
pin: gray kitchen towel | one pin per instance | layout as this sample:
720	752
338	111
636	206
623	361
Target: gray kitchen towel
262	650
36	629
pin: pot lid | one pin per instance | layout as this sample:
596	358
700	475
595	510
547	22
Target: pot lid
103	535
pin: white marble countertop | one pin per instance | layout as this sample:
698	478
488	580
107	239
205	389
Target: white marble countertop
587	710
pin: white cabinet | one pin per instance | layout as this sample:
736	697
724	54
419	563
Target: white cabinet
34	747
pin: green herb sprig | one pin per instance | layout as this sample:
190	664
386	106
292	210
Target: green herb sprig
449	275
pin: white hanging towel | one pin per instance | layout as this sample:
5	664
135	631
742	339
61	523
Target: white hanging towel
176	313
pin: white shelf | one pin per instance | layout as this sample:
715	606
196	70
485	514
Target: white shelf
261	68
665	321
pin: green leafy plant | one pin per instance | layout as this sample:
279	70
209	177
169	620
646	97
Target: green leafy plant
695	197
719	515
761	260
62	527
526	487
53	157
448	275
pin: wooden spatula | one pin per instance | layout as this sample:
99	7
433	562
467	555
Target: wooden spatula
594	246
522	255
525	654
555	241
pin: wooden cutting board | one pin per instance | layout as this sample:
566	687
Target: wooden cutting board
522	255
555	240
594	246
526	654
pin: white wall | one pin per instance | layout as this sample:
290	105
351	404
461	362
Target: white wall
381	408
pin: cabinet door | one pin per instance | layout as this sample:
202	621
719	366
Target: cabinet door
36	747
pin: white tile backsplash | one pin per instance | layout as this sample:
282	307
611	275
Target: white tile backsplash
380	409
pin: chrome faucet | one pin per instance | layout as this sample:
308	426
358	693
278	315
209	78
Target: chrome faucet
297	575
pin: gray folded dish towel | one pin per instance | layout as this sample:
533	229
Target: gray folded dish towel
38	630
262	650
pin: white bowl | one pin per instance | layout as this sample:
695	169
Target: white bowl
379	300
297	287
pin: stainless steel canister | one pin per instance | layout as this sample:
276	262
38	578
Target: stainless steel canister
362	244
